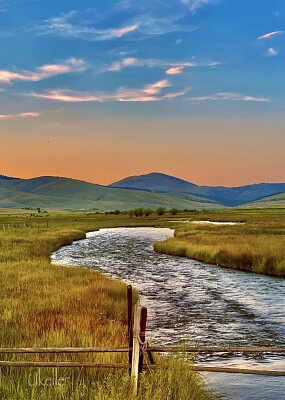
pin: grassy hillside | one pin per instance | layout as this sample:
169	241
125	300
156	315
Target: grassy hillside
64	193
44	305
239	195
147	191
276	201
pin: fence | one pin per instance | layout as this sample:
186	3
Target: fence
137	349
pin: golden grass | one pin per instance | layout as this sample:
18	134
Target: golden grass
54	306
257	246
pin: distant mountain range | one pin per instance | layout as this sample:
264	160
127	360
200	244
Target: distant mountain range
227	196
151	190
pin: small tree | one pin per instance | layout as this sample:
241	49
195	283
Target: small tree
131	213
160	211
173	211
138	212
147	212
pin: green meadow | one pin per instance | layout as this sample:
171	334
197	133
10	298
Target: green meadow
45	305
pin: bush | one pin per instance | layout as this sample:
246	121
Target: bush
147	212
173	211
139	212
160	211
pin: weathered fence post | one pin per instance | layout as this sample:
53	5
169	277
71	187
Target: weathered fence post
130	322
136	348
142	336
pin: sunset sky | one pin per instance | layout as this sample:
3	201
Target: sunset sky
100	90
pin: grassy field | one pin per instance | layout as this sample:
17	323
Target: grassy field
258	245
48	305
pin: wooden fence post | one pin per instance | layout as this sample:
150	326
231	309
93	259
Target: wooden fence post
142	336
130	322
136	349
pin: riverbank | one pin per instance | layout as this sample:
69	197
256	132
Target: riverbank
45	305
257	245
190	302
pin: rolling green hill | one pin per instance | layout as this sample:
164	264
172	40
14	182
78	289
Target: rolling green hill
64	193
151	191
227	196
276	201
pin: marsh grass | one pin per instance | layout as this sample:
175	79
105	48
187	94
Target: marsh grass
45	305
256	246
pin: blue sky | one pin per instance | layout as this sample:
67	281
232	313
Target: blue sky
152	59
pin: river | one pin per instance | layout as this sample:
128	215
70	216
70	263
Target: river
195	302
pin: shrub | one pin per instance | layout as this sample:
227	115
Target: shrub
173	211
160	211
147	212
139	212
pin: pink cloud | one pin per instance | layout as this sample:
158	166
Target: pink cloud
151	92
117	33
175	71
172	66
4	117
43	72
270	35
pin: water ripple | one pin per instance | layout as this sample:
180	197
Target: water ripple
193	301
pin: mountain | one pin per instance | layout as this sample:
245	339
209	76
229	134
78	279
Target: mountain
235	196
227	196
154	182
152	191
8	178
276	201
64	193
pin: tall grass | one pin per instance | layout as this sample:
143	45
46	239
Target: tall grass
256	246
48	305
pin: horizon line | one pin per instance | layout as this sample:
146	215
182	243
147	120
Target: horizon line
133	176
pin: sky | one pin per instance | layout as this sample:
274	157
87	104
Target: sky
101	90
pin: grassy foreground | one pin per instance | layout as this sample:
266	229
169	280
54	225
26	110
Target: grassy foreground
256	246
52	306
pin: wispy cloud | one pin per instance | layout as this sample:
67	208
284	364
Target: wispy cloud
230	96
117	33
67	25
148	93
271	52
162	24
270	35
4	117
143	22
194	5
43	72
142	5
154	63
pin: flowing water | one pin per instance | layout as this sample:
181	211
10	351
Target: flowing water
202	304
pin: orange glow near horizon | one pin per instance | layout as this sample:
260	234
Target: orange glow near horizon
206	153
